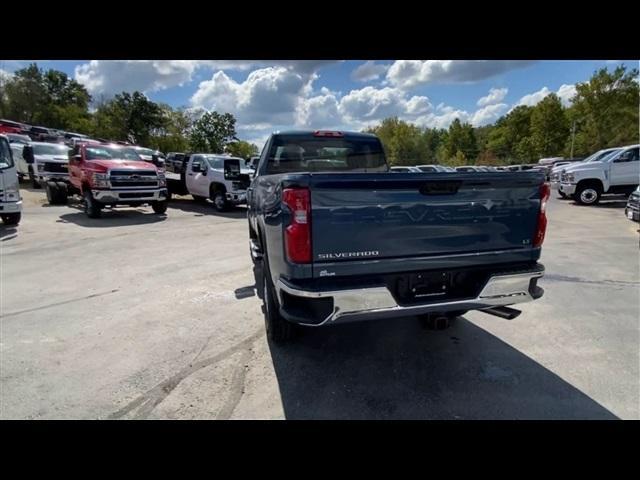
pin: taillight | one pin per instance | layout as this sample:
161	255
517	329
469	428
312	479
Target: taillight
541	228
297	235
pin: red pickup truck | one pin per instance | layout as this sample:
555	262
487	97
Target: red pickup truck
114	175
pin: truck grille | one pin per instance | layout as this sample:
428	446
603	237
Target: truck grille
134	178
55	167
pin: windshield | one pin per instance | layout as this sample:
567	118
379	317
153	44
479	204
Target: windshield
308	153
601	155
112	153
145	151
15	138
51	149
6	161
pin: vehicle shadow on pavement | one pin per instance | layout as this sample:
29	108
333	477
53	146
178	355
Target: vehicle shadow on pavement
7	232
612	203
395	369
186	204
117	218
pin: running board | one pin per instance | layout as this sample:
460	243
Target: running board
502	312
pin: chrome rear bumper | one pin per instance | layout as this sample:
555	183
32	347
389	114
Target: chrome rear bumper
378	302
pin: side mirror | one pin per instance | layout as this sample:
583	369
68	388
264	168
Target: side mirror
27	154
157	161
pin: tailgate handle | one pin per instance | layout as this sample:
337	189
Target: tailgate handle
441	187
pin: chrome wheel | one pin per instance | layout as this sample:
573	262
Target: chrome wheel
588	195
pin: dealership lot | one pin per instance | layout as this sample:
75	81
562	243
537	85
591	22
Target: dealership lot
143	316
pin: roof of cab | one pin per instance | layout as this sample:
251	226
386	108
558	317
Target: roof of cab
311	132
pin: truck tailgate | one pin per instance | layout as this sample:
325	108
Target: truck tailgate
359	217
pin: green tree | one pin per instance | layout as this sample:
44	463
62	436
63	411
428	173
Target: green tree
25	95
461	138
605	110
242	149
549	126
129	117
173	136
212	132
404	143
49	98
507	138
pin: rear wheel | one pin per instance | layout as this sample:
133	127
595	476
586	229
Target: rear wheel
56	193
278	329
11	218
159	207
588	194
92	207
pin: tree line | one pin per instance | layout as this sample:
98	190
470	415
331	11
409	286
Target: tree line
603	113
52	99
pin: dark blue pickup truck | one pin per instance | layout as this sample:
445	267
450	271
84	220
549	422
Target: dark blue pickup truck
335	237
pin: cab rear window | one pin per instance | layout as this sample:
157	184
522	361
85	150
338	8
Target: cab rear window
308	153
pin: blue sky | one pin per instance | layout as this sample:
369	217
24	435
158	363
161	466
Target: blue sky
270	95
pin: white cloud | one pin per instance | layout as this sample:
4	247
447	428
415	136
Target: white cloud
4	75
488	114
496	95
532	99
269	95
368	71
372	104
107	77
565	92
410	73
320	111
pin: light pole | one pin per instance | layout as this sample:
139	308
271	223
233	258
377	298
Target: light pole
573	137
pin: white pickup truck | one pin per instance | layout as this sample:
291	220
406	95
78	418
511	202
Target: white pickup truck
222	179
618	172
10	201
557	171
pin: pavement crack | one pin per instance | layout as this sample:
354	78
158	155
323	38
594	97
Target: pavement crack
237	387
153	397
86	297
565	278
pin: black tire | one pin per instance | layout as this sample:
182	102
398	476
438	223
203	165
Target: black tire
34	181
199	199
92	208
278	329
562	194
219	201
56	193
159	207
11	218
587	194
63	193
